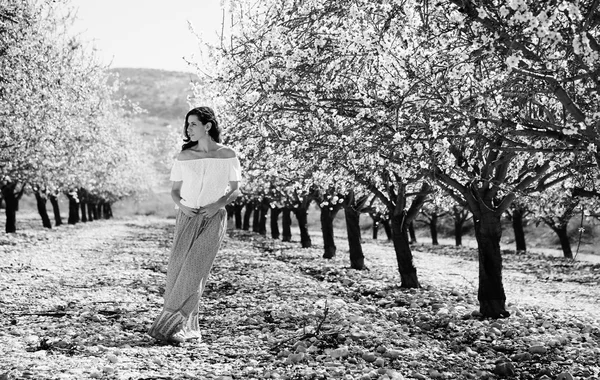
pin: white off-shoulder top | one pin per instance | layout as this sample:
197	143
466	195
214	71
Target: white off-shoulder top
205	180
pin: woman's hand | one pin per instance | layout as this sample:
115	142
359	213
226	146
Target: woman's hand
210	210
191	212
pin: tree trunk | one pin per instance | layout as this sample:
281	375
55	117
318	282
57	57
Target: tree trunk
302	217
107	210
275	211
286	224
387	228
237	213
83	202
488	231
458	227
460	216
517	223
90	211
565	242
264	211
41	207
229	209
12	204
433	228
247	214
56	210
408	272
73	209
357	258
327	217
97	211
256	218
375	228
411	231
82	205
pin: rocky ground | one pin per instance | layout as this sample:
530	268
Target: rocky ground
75	303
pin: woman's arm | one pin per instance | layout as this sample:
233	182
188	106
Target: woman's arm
234	192
176	196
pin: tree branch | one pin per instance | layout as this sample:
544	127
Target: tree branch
580	192
558	91
418	201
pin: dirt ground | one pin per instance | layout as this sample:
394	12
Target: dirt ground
523	287
76	302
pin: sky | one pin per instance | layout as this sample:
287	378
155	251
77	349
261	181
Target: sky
146	33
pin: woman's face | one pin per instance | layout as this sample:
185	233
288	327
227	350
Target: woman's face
196	129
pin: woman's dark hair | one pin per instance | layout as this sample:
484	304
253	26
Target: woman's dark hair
205	115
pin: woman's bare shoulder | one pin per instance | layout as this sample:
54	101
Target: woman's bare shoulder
226	152
183	155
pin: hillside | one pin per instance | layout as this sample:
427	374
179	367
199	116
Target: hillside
162	94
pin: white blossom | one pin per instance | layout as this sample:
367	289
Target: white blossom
512	61
481	13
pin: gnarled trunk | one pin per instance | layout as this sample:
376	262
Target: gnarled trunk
96	210
12	205
375	228
488	231
387	228
460	216
73	209
275	211
408	272
90	211
433	228
286	224
256	218
40	201
262	223
229	210
249	208
517	223
302	217
458	226
357	258
107	210
237	214
327	216
377	222
565	242
83	200
559	225
55	210
401	220
84	213
411	231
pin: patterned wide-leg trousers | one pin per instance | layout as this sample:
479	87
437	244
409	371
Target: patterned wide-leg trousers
195	245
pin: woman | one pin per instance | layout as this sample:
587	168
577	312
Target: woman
206	176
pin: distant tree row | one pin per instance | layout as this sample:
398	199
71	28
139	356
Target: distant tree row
62	131
267	211
495	103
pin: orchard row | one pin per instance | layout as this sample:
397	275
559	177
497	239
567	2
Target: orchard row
492	104
61	128
251	213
